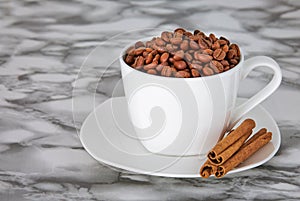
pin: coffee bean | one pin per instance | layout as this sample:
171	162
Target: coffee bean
219	54
160	42
182	74
226	68
213	37
236	48
129	59
233	61
179	55
188	56
194	45
208	51
207	71
196	66
139	51
166	71
203	57
130	50
139	44
195	73
223	38
179	30
224	63
225	48
169	47
164	36
231	53
215	45
164	57
184	45
159	67
139	62
152	71
180	65
203	43
171	60
175	41
156	58
222	42
149	58
187	33
216	66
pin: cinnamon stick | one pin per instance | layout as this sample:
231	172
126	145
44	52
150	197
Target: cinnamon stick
227	153
249	148
207	169
245	127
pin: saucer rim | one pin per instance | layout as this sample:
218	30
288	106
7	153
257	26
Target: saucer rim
173	175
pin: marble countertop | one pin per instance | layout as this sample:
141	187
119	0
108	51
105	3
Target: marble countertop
42	47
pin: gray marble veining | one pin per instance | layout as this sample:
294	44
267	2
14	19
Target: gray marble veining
42	47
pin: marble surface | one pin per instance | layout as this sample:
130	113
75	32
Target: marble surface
43	45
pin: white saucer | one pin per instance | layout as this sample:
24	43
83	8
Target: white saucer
109	137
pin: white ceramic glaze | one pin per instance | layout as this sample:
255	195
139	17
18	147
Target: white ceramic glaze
104	134
186	116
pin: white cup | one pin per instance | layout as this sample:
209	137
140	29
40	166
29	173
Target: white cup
186	116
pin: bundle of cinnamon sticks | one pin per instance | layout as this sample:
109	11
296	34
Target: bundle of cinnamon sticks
234	149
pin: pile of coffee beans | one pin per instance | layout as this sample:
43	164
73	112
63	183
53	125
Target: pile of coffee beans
183	54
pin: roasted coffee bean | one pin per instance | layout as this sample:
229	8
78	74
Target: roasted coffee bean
216	66
224	63
164	57
166	71
149	44
139	44
187	33
226	68
219	54
236	48
159	67
233	61
196	32
178	55
225	48
222	42
179	30
145	54
194	45
223	38
129	59
196	66
149	58
130	50
231	53
180	65
152	71
184	45
213	37
160	42
175	41
204	43
203	57
139	62
156	58
139	51
208	51
165	37
188	56
207	71
215	45
195	73
169	47
171	60
182	74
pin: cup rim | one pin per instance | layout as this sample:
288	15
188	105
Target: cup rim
223	74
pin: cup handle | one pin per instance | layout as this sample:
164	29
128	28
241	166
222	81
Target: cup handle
247	67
